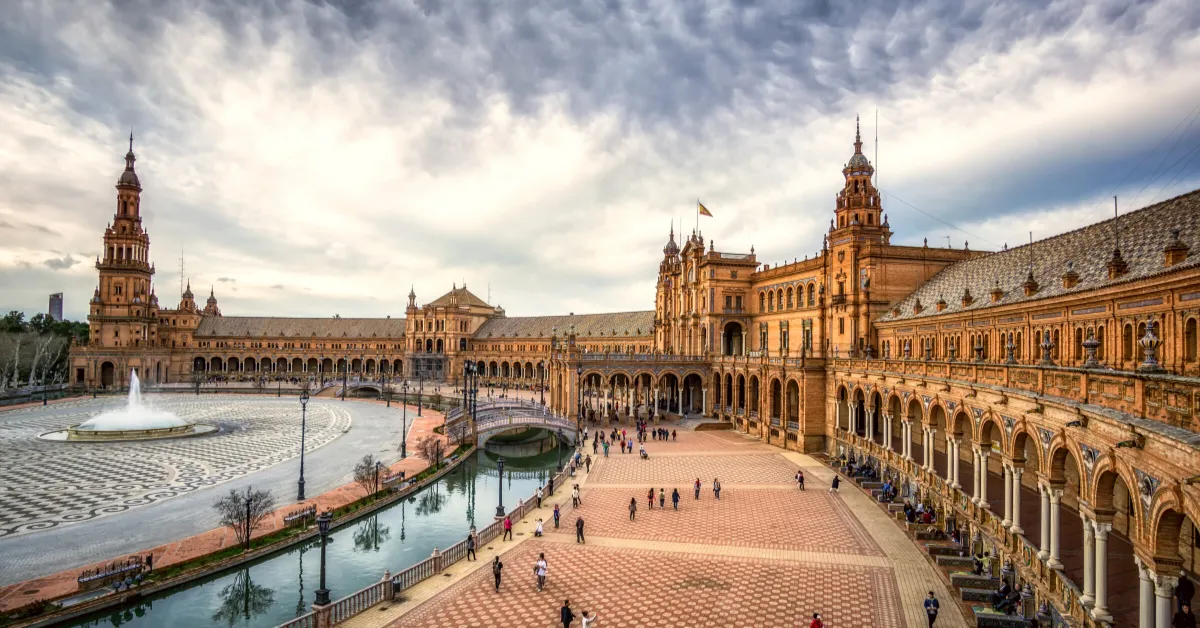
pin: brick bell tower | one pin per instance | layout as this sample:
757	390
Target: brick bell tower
122	312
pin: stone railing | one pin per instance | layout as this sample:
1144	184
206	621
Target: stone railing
1170	399
368	597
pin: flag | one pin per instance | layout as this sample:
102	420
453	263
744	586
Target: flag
703	210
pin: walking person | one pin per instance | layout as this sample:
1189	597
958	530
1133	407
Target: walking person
605	449
674	436
588	620
565	614
800	480
540	495
556	515
662	497
587	464
717	488
675	498
539	530
576	500
650	499
595	446
816	621
579	530
497	568
471	547
696	486
837	479
539	570
507	529
931	608
632	507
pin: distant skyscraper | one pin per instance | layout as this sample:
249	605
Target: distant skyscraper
56	306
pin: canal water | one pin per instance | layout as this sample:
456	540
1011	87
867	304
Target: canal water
274	589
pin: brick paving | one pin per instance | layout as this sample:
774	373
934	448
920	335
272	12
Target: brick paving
795	520
766	554
664	589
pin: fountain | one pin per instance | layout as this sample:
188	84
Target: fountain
136	421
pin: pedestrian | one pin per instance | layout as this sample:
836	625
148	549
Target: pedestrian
565	614
800	480
622	445
697	487
1184	618
556	515
588	620
587	464
540	495
674	436
605	449
717	488
537	531
551	485
507	529
675	498
539	570
816	621
650	499
662	497
579	529
576	500
833	488
595	445
632	507
497	567
471	547
931	608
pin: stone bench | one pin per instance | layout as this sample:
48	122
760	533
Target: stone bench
972	581
985	617
953	561
870	485
934	533
946	550
896	507
976	595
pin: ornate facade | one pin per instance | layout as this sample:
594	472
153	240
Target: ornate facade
1046	398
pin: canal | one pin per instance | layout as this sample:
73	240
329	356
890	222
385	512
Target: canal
276	588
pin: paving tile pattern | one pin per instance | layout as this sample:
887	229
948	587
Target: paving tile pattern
683	470
629	587
48	484
813	521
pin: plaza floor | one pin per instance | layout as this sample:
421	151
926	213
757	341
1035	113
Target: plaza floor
68	505
765	554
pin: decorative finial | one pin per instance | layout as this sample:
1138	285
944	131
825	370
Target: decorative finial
131	140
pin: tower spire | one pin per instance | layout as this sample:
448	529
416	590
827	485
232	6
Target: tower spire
857	137
131	140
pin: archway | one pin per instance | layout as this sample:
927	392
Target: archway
1115	503
859	415
937	422
877	419
732	339
776	400
753	401
199	365
961	429
693	387
107	374
896	428
916	423
793	405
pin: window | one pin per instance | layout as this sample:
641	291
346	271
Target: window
789	298
1189	340
738	302
841	325
812	288
841	287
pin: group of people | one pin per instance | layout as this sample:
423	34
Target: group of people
919	514
697	486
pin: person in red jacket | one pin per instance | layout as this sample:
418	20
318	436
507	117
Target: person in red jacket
816	622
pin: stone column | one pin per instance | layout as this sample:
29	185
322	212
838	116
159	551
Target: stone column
906	428
1054	561
1016	500
870	425
852	411
1164	600
983	470
1044	495
1100	610
1145	594
1088	597
1007	520
975	475
950	461
703	400
887	430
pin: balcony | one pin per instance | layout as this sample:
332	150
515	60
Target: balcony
793	426
837	299
775	421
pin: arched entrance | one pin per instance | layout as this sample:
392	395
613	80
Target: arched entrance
731	339
107	374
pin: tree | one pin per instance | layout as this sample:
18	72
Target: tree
430	448
13	322
242	600
244	512
366	474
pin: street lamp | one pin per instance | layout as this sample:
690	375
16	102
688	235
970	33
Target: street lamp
500	486
558	449
579	392
420	389
542	372
404	429
323	526
303	416
345	375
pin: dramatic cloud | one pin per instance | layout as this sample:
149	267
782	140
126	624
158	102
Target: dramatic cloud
350	150
60	263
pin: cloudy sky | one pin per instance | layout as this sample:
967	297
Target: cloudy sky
321	157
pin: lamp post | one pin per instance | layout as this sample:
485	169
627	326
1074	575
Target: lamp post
420	389
387	389
345	375
500	486
323	526
303	416
542	372
404	429
558	449
579	393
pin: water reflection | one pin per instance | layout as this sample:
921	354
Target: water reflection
243	599
358	554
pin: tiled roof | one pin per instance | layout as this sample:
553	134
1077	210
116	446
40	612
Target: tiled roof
258	326
618	324
1144	234
459	296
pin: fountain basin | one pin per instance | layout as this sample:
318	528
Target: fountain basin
75	434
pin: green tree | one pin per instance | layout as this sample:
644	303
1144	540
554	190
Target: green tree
13	322
41	324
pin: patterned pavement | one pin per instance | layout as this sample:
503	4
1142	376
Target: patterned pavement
764	555
662	589
51	484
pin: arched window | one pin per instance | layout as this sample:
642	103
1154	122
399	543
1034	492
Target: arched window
812	291
1100	337
779	297
762	302
1190	347
1078	343
771	302
789	298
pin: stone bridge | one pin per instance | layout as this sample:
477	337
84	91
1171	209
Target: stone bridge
500	416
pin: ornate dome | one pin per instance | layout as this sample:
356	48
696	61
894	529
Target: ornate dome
671	248
129	178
